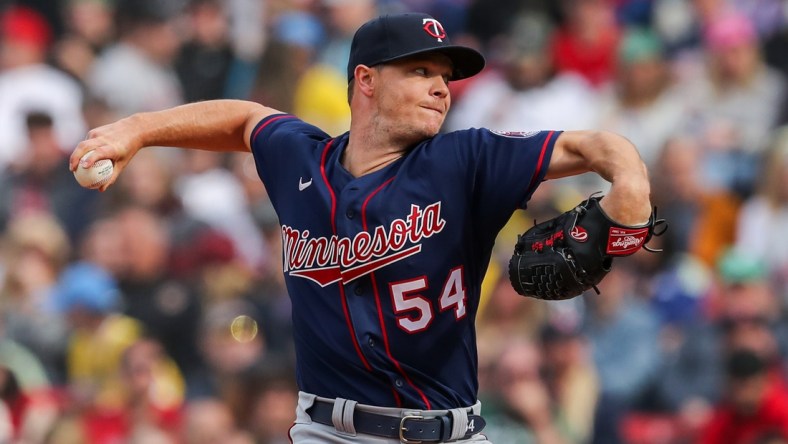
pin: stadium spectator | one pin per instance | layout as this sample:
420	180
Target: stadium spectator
694	85
767	211
525	92
587	40
136	73
38	180
204	60
642	103
28	84
755	405
623	335
89	29
734	102
35	251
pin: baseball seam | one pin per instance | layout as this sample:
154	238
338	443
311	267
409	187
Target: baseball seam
101	167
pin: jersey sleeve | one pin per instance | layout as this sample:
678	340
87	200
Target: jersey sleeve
500	170
282	145
507	167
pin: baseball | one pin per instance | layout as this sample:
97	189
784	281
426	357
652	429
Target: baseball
95	176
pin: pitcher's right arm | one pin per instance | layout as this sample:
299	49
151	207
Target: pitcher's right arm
214	125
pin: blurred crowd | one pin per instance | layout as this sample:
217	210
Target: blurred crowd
156	312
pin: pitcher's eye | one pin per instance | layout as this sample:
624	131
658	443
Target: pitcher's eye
421	71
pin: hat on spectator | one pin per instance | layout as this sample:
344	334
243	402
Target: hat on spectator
639	44
331	3
200	248
530	34
299	29
728	31
86	286
397	36
556	331
743	364
738	267
23	24
131	13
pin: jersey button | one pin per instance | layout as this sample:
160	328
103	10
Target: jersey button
371	342
358	290
398	383
350	213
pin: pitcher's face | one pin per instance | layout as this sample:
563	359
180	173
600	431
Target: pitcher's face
413	96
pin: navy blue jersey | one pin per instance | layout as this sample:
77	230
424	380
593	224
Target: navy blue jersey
385	270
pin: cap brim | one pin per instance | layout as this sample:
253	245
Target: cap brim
467	62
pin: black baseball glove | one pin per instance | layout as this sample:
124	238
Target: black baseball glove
563	257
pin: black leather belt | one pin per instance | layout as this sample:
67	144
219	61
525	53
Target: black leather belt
408	429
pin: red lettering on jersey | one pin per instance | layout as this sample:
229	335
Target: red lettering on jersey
329	260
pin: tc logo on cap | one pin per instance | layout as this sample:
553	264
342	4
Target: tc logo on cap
434	28
395	36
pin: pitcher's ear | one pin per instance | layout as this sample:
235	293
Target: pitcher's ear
364	76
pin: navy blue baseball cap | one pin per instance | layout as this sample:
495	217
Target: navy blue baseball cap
396	36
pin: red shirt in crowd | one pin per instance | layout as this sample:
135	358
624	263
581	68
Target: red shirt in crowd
729	426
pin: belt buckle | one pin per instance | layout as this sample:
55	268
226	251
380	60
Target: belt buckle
403	429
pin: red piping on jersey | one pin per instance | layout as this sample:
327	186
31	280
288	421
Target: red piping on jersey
334	230
328	185
539	162
397	399
289	433
396	363
271	120
380	312
366	201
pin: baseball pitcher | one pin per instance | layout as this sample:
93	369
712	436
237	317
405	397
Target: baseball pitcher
387	230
